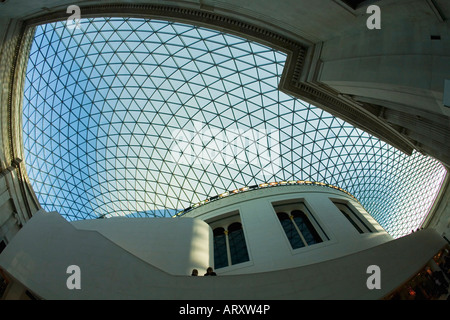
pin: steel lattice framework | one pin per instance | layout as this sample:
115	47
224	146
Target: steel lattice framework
127	116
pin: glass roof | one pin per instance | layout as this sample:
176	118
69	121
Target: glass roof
135	117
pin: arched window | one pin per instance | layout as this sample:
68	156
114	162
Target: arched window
229	246
299	229
238	248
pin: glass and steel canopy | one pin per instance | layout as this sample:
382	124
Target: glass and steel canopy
127	116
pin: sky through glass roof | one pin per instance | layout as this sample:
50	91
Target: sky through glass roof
127	116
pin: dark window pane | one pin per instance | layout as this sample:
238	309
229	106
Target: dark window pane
355	216
220	249
2	246
306	228
238	248
291	232
352	221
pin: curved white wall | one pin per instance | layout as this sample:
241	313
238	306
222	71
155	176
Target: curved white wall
174	245
269	248
38	257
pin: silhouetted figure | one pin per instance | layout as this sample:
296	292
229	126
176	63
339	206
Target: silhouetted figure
194	272
210	272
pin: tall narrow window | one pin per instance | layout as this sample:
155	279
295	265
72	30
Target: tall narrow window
238	248
354	218
220	248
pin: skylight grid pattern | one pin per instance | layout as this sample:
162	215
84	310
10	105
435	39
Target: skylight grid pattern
138	117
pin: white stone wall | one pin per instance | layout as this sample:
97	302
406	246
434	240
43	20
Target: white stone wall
174	245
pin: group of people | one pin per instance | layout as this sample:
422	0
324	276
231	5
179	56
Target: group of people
430	283
209	272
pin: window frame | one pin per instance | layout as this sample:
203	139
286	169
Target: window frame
291	205
354	216
224	221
